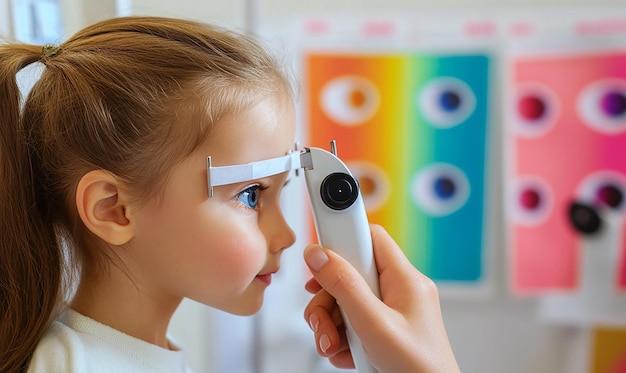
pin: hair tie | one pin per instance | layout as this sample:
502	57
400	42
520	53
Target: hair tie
50	50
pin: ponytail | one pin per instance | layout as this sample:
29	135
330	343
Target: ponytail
30	257
132	96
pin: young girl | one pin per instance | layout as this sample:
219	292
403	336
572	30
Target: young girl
110	216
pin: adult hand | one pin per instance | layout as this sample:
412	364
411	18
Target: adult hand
402	332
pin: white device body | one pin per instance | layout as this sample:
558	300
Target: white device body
345	231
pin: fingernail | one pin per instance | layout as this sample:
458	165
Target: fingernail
315	258
324	343
314	321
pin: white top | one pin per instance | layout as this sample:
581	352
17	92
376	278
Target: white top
76	343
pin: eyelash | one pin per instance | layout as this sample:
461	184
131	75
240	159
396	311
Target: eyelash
257	188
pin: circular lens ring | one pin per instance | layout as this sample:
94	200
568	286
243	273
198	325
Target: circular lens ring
339	191
584	218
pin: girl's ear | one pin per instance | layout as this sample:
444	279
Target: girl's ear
103	207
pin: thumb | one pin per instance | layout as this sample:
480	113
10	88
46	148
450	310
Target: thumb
341	280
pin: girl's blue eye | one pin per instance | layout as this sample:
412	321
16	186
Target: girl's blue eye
250	196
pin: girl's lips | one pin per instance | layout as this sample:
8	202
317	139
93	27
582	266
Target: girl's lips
265	278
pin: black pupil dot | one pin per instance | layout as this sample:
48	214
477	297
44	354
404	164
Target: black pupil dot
613	104
341	190
444	188
450	101
611	195
530	199
531	108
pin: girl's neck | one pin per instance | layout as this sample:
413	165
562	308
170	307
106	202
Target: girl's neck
114	299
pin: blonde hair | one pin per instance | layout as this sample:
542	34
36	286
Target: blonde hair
130	95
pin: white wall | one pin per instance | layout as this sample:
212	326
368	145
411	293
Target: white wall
6	24
272	10
79	13
227	12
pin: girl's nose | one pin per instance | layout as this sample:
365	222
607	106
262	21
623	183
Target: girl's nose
279	234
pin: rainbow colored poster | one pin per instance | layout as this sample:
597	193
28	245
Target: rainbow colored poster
413	128
567	164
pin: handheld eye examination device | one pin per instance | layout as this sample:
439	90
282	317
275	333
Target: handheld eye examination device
341	225
338	213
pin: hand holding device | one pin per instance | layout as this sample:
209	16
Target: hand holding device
341	224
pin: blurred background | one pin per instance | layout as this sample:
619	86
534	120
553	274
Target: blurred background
489	137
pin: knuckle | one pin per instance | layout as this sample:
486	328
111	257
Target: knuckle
342	282
427	287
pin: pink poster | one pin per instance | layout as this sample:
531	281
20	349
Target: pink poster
566	171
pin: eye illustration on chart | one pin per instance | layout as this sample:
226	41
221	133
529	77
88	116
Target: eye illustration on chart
440	189
602	105
598	192
373	182
531	201
446	102
350	100
535	108
604	189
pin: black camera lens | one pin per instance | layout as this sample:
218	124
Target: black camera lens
339	191
584	218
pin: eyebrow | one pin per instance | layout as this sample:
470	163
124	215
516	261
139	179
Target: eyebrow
225	175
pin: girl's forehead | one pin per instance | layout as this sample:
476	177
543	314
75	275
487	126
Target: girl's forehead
252	144
261	131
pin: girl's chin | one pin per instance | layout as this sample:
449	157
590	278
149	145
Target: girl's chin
248	307
248	311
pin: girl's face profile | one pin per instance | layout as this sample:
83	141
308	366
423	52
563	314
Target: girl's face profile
219	251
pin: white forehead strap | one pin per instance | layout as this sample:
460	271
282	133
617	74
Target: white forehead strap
240	173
